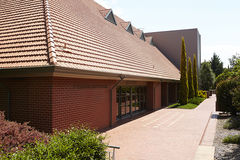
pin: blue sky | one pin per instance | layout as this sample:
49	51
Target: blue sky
218	21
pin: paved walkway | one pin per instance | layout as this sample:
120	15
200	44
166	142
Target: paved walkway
167	134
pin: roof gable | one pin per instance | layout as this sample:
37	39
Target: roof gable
108	15
127	26
142	37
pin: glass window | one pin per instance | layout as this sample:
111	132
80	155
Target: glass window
130	99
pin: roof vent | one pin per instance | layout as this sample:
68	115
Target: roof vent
127	26
108	15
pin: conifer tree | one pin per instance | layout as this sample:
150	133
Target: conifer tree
183	97
195	78
190	79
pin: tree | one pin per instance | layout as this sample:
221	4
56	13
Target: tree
183	97
195	78
190	79
216	64
207	77
234	60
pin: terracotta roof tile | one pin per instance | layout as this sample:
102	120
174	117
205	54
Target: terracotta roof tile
77	36
22	34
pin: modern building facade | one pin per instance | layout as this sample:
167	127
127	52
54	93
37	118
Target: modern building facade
169	43
67	62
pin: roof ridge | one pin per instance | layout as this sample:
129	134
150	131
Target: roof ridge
49	33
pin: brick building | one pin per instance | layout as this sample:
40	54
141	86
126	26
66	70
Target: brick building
64	62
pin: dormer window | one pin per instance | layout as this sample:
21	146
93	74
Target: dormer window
127	26
108	15
140	34
142	37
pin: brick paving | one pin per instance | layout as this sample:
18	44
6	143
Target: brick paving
167	134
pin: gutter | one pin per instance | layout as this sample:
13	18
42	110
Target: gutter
111	91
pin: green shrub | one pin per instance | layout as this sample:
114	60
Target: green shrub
224	96
190	79
202	94
72	144
235	139
195	77
196	100
232	123
183	92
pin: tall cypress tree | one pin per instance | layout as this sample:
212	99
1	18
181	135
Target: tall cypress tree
190	79
183	97
195	79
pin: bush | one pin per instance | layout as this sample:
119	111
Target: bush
232	123
190	80
183	92
202	94
235	139
196	100
224	96
76	143
195	77
14	136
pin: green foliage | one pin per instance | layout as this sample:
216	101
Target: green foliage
234	139
190	79
224	96
72	144
202	94
228	90
216	64
224	76
185	106
232	123
207	76
183	93
234	60
236	96
196	100
195	78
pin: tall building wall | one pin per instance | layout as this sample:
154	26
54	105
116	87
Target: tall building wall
169	43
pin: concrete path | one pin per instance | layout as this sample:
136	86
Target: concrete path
167	134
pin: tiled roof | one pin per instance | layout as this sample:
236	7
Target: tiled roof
79	37
22	34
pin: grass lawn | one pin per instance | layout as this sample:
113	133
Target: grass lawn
193	103
186	106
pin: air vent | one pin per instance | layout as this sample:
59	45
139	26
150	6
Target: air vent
108	15
127	26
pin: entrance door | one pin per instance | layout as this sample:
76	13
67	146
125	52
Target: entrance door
130	99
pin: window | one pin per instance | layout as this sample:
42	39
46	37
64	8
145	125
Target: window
127	26
130	100
142	37
108	15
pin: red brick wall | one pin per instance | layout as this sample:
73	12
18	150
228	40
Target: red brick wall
81	101
153	95
30	101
